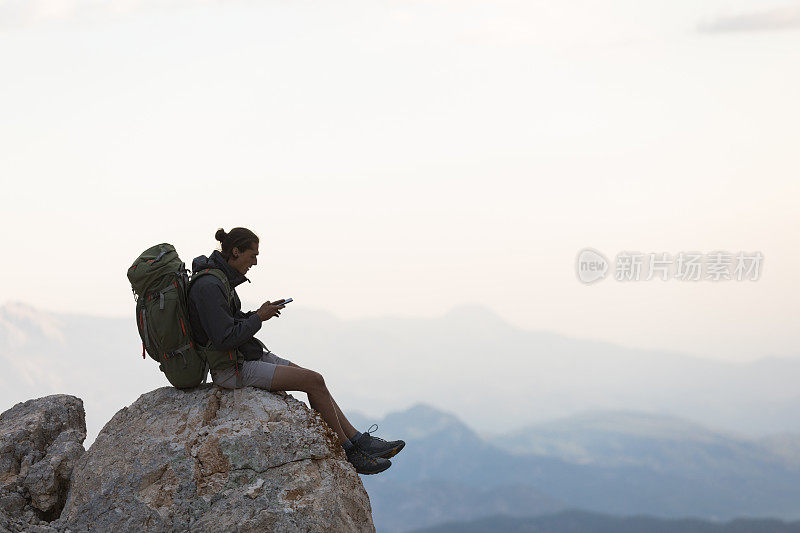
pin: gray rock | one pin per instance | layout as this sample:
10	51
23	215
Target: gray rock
40	441
48	479
204	460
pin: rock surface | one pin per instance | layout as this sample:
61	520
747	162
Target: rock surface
40	442
204	460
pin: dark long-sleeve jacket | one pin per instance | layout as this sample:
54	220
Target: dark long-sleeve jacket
211	317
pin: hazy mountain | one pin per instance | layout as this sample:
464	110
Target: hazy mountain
661	443
96	359
398	506
783	445
499	377
629	463
441	475
468	361
586	522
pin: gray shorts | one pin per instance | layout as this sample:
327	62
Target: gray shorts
254	373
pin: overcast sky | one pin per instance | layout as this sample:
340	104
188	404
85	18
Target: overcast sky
404	157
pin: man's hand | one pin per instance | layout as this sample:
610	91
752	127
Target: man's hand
269	310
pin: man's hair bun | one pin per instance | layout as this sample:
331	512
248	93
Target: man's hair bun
239	238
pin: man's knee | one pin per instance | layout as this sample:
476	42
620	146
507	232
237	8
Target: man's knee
315	381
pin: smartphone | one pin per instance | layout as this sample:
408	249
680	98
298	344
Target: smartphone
286	301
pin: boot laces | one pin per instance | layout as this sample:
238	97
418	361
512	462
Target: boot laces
370	431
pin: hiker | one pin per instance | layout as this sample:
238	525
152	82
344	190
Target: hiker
237	359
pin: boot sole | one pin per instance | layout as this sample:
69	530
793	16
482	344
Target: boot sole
373	473
394	451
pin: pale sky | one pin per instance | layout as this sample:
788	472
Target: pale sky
405	157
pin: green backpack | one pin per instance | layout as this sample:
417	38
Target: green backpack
160	284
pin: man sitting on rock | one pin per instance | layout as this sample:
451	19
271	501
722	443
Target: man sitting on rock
223	329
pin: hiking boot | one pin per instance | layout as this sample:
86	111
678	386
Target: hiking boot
377	447
366	464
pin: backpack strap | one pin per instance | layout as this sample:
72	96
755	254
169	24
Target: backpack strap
219	274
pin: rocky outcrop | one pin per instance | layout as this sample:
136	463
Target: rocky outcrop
40	442
209	460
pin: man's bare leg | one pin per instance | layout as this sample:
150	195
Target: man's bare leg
287	378
347	427
294	377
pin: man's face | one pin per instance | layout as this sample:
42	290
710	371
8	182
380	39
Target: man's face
245	260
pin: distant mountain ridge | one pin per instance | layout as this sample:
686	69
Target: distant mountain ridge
663	467
620	438
624	459
574	521
537	375
531	377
